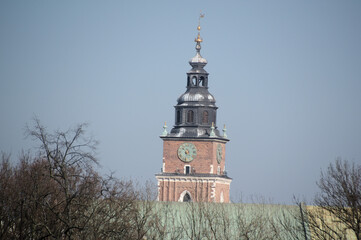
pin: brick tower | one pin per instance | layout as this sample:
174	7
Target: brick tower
194	150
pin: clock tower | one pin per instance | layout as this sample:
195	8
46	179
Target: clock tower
194	150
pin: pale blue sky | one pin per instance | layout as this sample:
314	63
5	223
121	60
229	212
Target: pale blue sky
286	76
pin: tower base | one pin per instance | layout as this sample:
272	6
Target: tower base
193	187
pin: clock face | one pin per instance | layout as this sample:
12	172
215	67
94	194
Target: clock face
187	152
219	153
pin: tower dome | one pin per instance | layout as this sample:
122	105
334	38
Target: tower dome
196	96
196	110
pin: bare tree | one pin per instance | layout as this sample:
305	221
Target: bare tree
219	221
25	188
192	221
6	206
253	222
112	211
59	194
293	222
337	211
69	158
166	222
142	217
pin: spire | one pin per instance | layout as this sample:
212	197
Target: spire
196	110
198	58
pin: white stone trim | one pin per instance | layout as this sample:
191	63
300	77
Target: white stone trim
198	140
213	192
158	189
190	178
222	198
211	172
190	169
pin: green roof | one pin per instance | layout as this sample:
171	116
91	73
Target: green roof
177	220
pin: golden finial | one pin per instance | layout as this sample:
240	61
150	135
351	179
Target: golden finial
199	39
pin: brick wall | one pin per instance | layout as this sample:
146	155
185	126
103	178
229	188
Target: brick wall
200	188
206	157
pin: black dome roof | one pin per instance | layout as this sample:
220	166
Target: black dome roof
196	95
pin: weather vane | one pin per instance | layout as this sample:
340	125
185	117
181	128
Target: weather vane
199	39
199	19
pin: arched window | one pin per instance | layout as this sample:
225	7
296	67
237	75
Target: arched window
205	117
178	116
190	116
201	81
188	81
194	81
187	198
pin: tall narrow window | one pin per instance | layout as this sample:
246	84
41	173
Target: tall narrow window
205	117
178	116
190	116
187	170
201	81
194	81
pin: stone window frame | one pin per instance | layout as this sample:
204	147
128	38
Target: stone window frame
183	194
